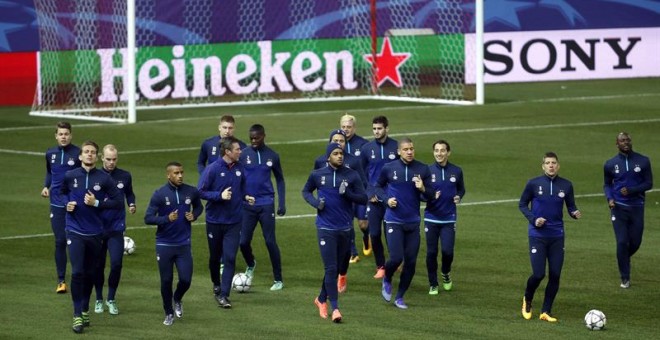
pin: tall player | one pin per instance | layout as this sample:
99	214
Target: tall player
113	232
375	155
59	160
260	161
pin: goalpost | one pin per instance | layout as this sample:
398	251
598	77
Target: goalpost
105	59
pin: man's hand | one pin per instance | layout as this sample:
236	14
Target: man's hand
611	203
391	202
419	184
71	206
45	192
173	215
249	199
132	208
90	199
226	194
190	217
321	204
576	214
457	199
539	222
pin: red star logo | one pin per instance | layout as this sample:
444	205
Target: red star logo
387	64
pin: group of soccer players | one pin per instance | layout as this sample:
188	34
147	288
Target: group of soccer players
378	182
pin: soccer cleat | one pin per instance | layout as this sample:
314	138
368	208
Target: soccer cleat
178	308
277	285
61	288
546	317
625	284
399	303
169	320
341	283
77	325
386	291
366	247
526	309
336	316
446	282
433	290
380	273
98	307
249	271
354	259
112	307
224	302
85	319
216	290
323	308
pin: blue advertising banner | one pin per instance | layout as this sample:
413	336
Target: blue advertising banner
166	23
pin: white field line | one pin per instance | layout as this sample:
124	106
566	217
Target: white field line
322	112
408	134
291	217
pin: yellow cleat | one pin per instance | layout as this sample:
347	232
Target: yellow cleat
546	317
366	248
526	309
61	288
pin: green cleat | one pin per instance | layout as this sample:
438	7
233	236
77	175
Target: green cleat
85	319
77	325
446	282
249	271
112	307
277	285
433	290
98	307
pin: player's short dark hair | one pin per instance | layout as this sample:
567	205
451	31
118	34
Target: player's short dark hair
550	154
258	128
380	120
173	163
442	141
63	125
89	142
227	118
226	144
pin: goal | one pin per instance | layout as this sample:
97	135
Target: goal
105	59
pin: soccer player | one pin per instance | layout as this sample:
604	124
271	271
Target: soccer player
88	192
627	177
355	163
173	207
338	188
59	160
402	184
375	155
260	161
208	152
440	215
353	147
542	203
113	232
222	185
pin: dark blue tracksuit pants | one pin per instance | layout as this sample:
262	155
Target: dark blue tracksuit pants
628	223
375	215
445	233
403	243
112	243
168	257
58	224
540	251
223	241
335	247
265	215
84	252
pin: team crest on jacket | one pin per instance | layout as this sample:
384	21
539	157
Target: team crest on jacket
452	179
71	162
97	187
561	194
391	156
269	163
120	185
238	173
75	182
637	168
357	152
394	177
187	201
248	160
222	174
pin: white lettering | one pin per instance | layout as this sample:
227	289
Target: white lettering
179	66
332	60
234	75
299	73
146	82
270	72
199	76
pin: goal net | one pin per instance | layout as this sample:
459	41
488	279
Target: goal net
194	53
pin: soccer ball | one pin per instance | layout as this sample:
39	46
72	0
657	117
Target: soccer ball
595	320
129	245
241	283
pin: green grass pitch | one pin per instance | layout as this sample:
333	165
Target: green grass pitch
499	146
